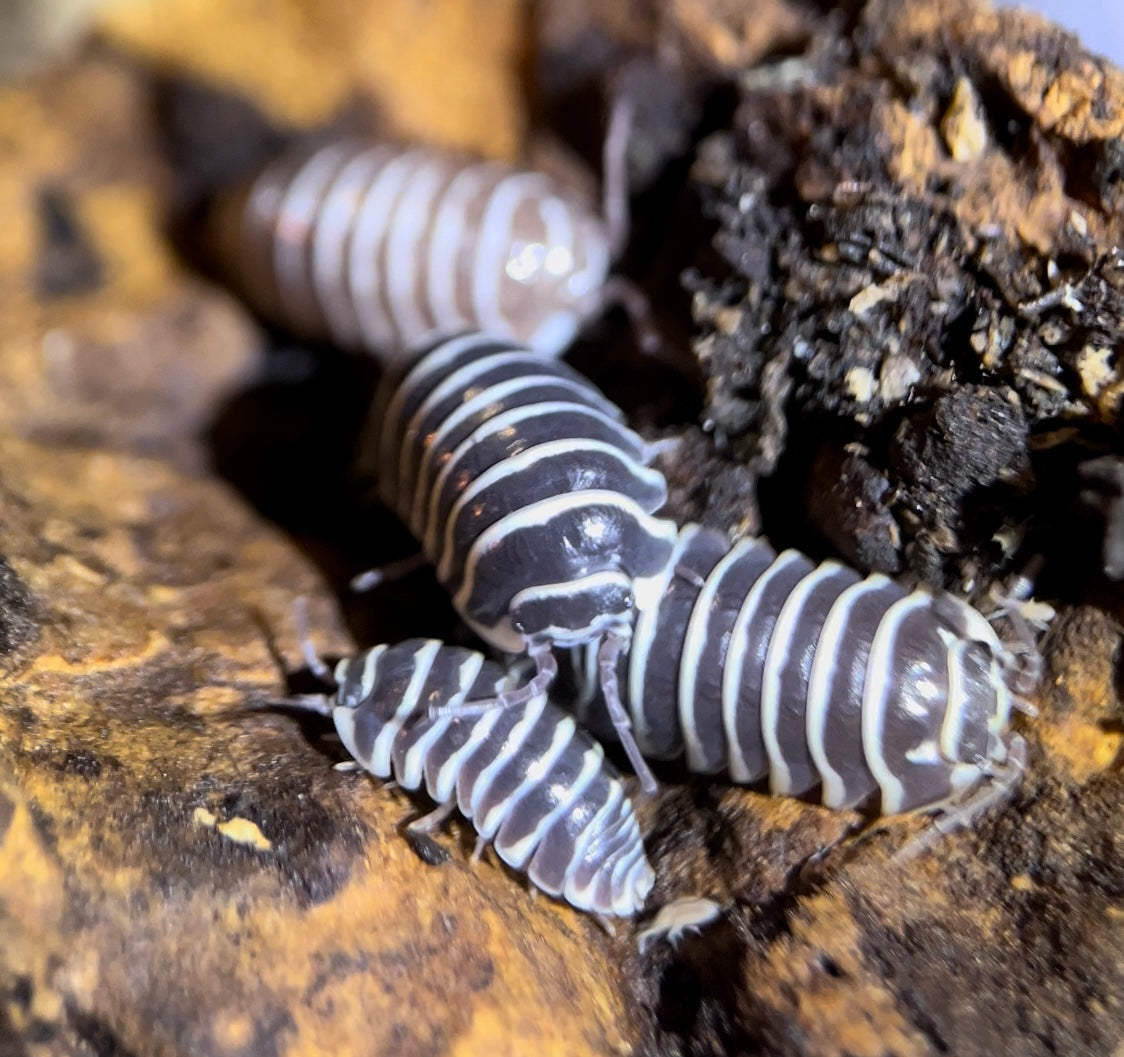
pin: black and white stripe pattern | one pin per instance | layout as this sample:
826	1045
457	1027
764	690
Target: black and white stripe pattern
754	664
379	246
530	780
526	489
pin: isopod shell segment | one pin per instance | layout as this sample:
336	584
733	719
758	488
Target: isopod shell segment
526	489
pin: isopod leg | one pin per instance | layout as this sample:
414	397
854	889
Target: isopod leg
607	656
435	819
371	578
314	661
620	291
614	173
996	789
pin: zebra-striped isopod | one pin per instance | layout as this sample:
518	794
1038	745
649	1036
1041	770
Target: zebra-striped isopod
379	246
528	493
754	664
533	783
525	488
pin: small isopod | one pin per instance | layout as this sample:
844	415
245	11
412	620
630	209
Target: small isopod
677	918
532	782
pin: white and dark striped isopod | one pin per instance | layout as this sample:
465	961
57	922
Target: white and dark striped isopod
532	782
528	493
753	663
379	246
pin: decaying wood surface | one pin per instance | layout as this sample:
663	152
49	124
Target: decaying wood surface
887	214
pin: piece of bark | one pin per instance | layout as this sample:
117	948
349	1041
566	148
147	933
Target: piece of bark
203	880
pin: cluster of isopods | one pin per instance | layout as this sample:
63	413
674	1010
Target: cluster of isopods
538	507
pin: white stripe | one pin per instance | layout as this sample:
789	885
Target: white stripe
878	678
344	719
698	627
537	772
979	629
976	625
777	657
480	400
592	242
639	883
462	385
407	707
334	225
586	676
735	664
447	243
405	251
647	629
556	333
622	892
955	707
593	759
500	636
343	716
258	221
439	358
1001	717
589	239
493	248
368	659
411	774
557	218
574	895
295	222
445	784
370	670
390	440
264	200
834	793
511	747
513	464
603	621
503	422
366	267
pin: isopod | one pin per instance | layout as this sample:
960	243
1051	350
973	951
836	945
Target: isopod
532	782
528	493
754	663
377	246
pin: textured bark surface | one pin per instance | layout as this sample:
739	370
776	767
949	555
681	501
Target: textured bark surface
902	196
